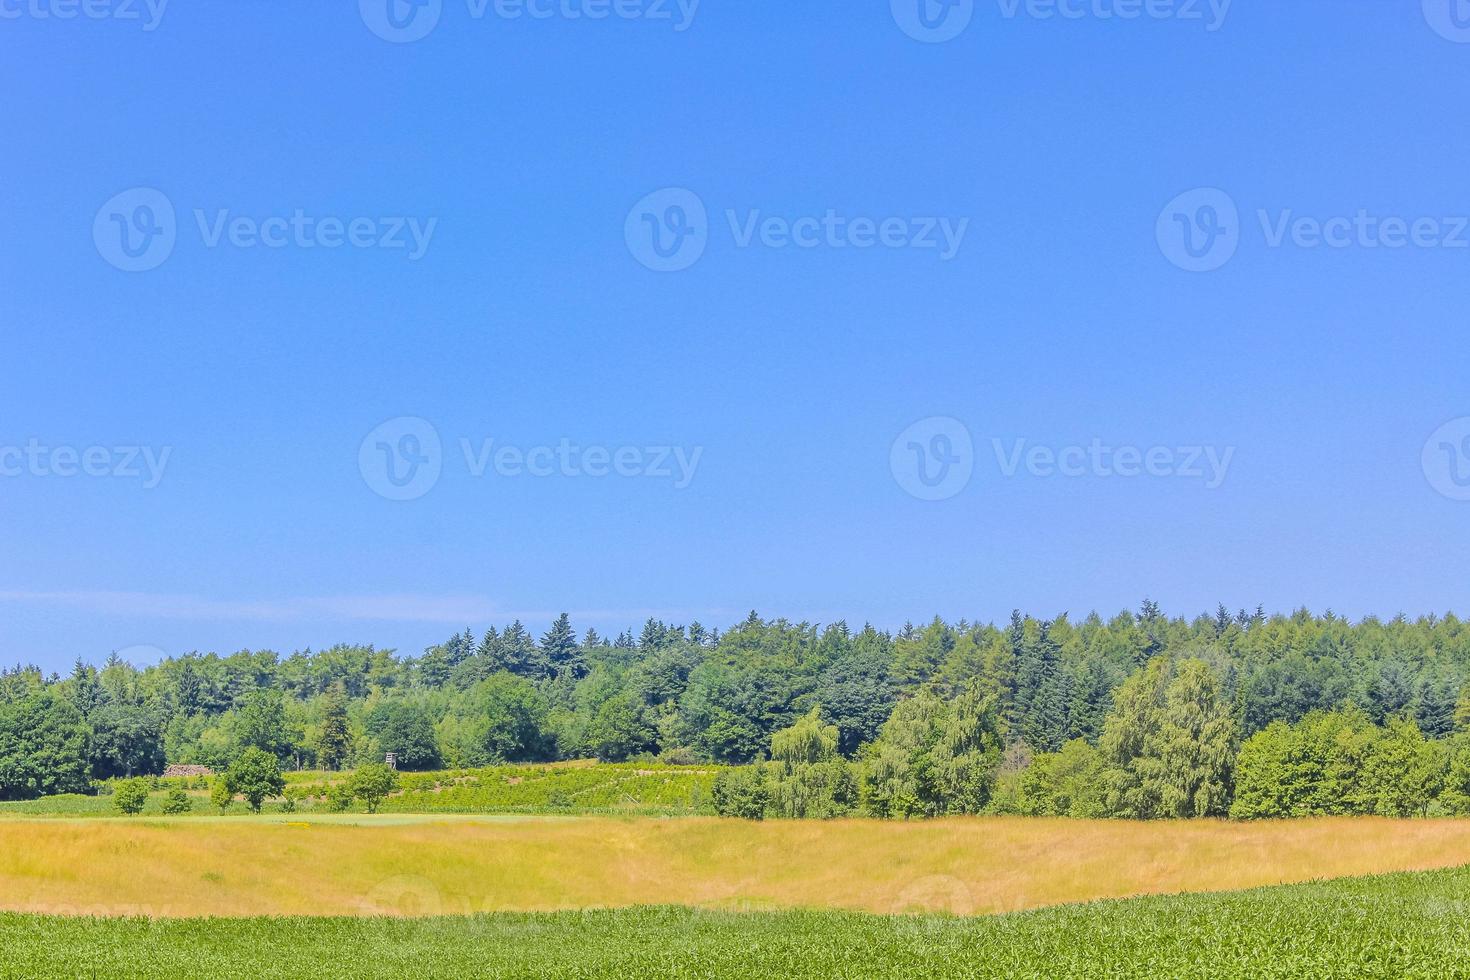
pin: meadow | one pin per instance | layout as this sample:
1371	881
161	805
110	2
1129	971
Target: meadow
404	865
644	788
1395	926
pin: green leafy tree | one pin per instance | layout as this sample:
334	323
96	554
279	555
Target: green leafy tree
403	728
1168	743
372	784
260	723
222	792
741	792
619	729
256	775
334	741
1068	783
1406	770
129	796
809	779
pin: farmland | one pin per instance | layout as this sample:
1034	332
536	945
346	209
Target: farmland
395	864
1404	925
648	789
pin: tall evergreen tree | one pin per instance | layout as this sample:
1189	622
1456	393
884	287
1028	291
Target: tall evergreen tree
334	742
559	647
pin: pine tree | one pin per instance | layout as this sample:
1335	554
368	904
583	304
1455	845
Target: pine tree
86	691
559	648
520	655
334	742
489	648
1435	709
189	693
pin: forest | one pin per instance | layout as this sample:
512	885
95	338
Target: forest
1140	715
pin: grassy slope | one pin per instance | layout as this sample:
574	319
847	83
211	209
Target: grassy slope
584	787
455	865
1407	925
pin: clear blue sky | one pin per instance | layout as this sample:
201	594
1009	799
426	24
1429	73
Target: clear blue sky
530	320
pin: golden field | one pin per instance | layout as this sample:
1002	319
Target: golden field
242	866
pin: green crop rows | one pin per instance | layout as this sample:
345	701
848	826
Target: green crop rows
1407	925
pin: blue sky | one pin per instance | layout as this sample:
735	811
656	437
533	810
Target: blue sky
803	388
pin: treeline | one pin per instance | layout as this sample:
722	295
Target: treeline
949	717
1169	748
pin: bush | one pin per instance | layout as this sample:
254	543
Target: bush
741	793
130	795
256	775
177	801
221	793
372	783
339	798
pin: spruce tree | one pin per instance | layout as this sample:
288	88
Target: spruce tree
559	648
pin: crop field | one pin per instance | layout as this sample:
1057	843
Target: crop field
1405	925
577	788
393	864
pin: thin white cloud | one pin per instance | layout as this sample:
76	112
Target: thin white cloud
456	610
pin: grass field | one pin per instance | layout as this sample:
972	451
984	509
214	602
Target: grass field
1407	925
400	865
648	789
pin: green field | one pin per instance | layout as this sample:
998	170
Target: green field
645	789
1404	925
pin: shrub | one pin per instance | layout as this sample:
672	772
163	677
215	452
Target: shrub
741	793
372	783
339	798
130	795
178	801
221	793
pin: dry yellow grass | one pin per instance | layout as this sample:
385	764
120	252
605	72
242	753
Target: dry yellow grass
243	866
